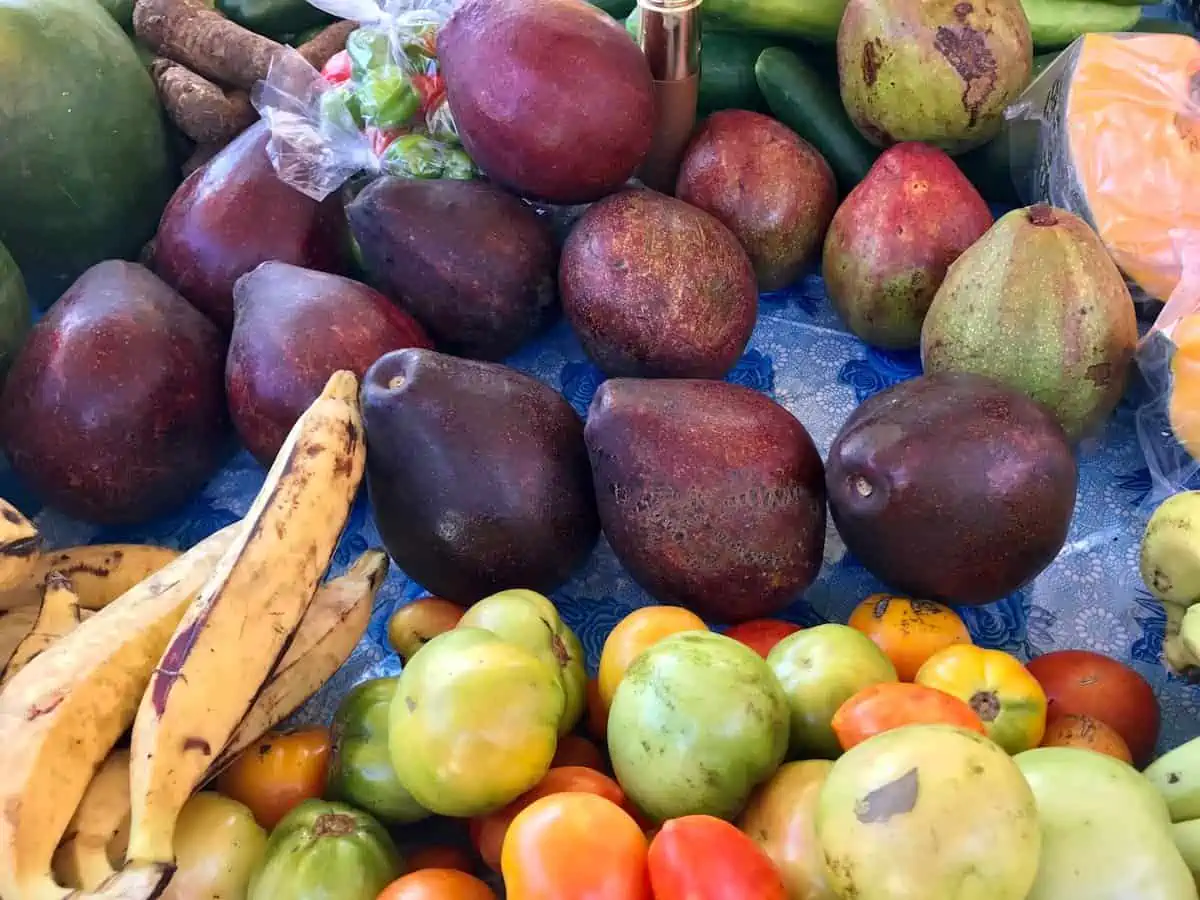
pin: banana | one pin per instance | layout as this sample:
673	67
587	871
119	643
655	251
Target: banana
15	626
58	615
84	858
1176	775
99	572
239	627
1170	567
1187	840
20	544
325	638
61	715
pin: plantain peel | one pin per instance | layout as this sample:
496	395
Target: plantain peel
63	712
226	646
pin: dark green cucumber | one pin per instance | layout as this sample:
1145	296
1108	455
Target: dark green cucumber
727	72
807	101
618	9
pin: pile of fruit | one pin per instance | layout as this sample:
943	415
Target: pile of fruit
354	341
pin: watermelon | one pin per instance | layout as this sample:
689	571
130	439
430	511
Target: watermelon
85	165
16	317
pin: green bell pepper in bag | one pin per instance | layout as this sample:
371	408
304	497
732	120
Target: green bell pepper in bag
326	851
360	772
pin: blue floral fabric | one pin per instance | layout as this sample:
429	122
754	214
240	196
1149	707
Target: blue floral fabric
1091	597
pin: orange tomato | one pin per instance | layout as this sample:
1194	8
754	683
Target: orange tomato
597	712
437	884
488	831
574	750
705	858
278	773
571	846
441	856
641	629
882	707
908	631
1086	733
415	624
760	635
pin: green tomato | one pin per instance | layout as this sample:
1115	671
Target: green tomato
696	724
361	772
529	620
474	723
326	851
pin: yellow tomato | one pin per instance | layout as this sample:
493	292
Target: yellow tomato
908	631
1007	698
638	631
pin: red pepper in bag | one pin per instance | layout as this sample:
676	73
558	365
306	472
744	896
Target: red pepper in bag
337	70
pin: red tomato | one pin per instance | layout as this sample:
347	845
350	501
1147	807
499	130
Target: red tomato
437	884
705	858
1082	683
760	635
882	707
337	70
574	750
440	856
573	846
488	831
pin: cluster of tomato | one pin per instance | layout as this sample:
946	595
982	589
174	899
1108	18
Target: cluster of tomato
576	832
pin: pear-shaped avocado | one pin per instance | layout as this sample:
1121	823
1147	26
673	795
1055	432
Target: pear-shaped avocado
711	494
478	475
952	487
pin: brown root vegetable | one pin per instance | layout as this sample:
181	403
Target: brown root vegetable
204	41
201	109
326	44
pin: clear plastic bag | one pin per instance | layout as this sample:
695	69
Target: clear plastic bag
377	107
1111	132
1168	422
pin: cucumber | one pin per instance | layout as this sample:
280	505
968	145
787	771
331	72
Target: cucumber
727	72
808	102
811	20
1163	25
618	9
726	68
1054	24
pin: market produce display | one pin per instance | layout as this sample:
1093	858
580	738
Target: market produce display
430	510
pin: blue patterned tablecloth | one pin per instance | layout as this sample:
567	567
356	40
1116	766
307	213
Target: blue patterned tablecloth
1091	597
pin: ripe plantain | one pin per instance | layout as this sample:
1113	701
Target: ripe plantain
84	858
1170	567
61	715
239	627
327	635
58	615
335	622
99	572
20	545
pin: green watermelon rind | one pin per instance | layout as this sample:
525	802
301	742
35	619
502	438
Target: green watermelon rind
85	167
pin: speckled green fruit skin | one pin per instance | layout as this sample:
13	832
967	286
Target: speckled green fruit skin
928	812
696	724
1039	304
819	669
938	71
